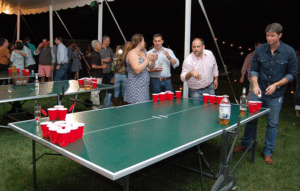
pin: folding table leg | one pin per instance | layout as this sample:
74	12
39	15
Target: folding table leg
200	164
34	165
124	182
254	145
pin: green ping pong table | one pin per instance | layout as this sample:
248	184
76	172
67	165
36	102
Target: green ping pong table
61	89
122	140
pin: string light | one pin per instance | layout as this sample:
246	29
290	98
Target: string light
223	42
216	38
231	45
292	92
240	47
249	49
242	53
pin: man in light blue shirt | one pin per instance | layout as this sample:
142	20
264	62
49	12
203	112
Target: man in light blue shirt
160	76
62	60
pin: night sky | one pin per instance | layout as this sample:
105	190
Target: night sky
241	22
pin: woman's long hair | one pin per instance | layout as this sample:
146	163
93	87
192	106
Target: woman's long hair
135	40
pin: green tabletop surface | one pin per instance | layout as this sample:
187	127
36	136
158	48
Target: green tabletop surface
4	75
9	93
121	140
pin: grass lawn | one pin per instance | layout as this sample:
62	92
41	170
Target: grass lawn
60	173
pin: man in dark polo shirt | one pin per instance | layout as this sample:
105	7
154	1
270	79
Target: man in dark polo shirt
274	65
96	71
46	60
107	56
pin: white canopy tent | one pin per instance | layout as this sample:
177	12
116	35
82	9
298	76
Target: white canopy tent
26	7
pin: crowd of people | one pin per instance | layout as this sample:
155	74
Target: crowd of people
135	71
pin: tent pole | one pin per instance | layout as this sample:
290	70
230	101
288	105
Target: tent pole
100	19
51	24
51	31
18	25
187	38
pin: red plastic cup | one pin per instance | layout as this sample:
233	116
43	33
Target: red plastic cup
45	128
58	106
252	106
171	96
205	98
162	96
27	72
155	97
52	112
9	71
63	137
53	133
70	123
94	80
64	126
23	72
59	123
73	133
95	85
178	94
79	130
61	113
167	95
219	99
212	99
81	83
258	105
18	71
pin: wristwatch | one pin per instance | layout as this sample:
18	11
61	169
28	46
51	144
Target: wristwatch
169	57
277	85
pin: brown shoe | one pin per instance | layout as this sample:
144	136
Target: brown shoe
268	159
239	149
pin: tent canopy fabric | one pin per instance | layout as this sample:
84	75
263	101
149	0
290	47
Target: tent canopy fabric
39	6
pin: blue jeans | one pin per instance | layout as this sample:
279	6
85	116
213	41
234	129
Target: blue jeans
198	93
274	104
119	81
62	73
158	86
297	94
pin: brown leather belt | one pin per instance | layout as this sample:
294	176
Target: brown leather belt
162	79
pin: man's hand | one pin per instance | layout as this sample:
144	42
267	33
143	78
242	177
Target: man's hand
155	55
271	89
256	90
104	66
107	59
40	45
166	53
242	79
157	70
196	75
216	83
58	66
17	51
119	71
52	68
